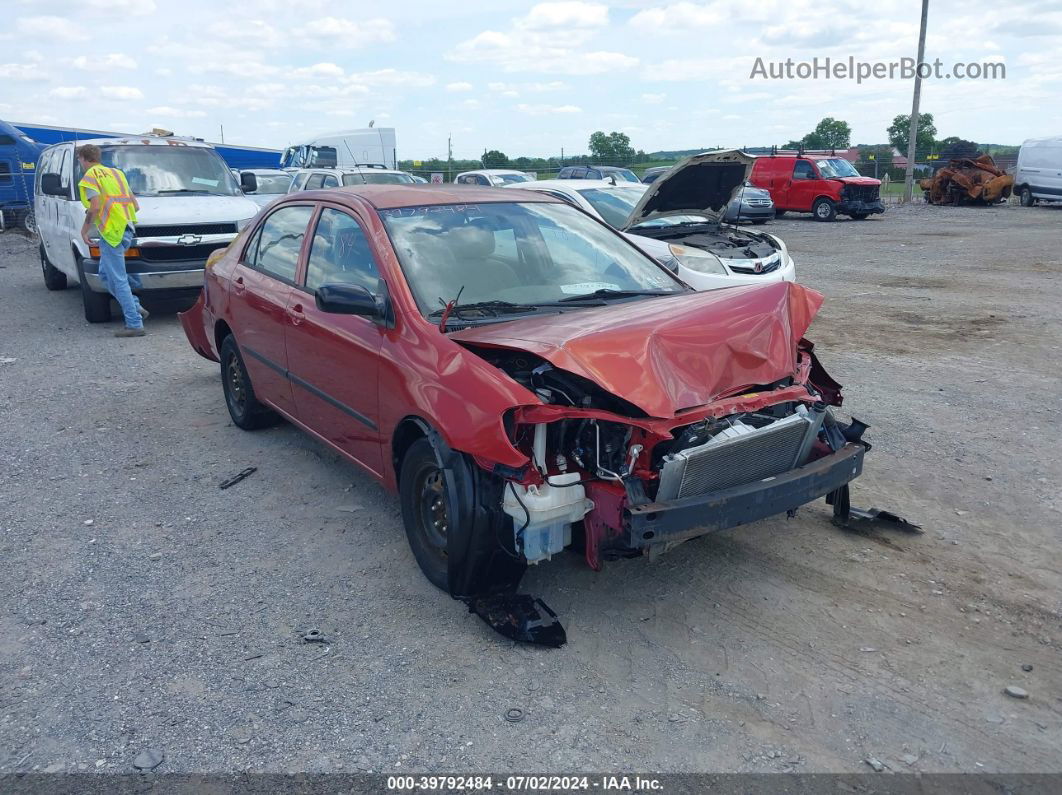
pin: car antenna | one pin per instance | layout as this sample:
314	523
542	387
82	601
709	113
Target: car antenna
448	308
612	179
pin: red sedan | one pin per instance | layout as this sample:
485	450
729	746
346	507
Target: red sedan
525	378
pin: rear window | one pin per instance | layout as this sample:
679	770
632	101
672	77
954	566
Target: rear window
382	178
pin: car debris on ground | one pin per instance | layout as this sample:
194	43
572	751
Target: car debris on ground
968	181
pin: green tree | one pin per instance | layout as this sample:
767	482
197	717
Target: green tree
953	146
495	159
900	133
612	146
831	133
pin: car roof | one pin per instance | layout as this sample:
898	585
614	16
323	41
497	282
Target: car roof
391	196
263	171
144	140
569	184
493	171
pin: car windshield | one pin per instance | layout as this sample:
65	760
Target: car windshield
171	170
509	179
377	178
624	174
836	167
273	183
526	254
614	205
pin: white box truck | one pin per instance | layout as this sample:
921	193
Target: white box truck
344	149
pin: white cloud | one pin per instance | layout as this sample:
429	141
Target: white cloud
68	92
679	69
100	63
137	7
175	113
53	27
521	51
565	14
247	32
653	99
345	32
318	70
459	86
470	104
552	38
677	18
124	93
546	110
22	71
391	77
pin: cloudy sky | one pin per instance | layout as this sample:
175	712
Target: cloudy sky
521	77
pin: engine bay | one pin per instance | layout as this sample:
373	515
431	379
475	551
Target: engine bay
723	242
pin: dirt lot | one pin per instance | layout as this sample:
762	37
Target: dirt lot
141	607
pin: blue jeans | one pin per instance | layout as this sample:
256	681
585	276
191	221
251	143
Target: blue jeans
118	282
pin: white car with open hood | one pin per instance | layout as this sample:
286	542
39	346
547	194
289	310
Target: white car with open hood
677	220
190	206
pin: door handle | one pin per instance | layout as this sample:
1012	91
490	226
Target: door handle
296	315
238	286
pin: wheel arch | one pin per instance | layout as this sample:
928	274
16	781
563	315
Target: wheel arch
221	331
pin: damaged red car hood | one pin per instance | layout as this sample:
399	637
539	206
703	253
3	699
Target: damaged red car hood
667	355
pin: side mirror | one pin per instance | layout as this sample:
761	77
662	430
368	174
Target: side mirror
346	299
50	185
249	182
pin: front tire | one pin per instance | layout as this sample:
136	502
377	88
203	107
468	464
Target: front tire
426	511
54	279
97	305
860	216
824	210
246	412
1027	199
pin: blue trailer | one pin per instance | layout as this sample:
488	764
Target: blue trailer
234	156
18	166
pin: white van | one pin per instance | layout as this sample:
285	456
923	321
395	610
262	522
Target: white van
1038	175
190	205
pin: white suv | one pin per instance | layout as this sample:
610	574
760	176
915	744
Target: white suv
190	205
321	178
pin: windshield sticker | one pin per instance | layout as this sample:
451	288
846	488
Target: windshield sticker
203	181
582	288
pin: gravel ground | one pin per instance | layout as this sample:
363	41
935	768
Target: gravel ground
141	607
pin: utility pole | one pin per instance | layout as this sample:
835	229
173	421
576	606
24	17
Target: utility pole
449	157
222	126
908	178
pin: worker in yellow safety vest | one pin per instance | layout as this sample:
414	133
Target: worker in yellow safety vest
111	208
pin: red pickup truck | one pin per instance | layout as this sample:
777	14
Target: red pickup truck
822	186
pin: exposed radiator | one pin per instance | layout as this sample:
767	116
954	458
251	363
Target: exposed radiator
737	455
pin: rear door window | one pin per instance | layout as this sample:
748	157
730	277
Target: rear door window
803	170
315	182
276	252
330	181
340	253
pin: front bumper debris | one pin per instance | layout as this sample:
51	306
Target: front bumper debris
857	207
660	523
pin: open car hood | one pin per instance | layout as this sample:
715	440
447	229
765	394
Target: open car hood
699	185
671	354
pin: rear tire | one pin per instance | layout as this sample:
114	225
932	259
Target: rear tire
824	210
97	305
54	279
246	412
1027	199
860	216
29	222
426	512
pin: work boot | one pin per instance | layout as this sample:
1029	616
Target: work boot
143	312
129	332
